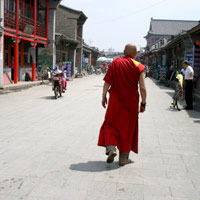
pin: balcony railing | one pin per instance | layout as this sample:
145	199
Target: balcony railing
9	19
10	22
23	21
41	30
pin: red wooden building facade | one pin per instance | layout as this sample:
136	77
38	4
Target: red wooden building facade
25	27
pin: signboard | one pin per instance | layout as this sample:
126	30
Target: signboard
196	62
162	73
45	59
69	68
28	29
189	56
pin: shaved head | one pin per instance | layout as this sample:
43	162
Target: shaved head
130	50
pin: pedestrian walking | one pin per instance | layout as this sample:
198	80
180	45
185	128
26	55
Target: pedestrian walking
189	73
120	128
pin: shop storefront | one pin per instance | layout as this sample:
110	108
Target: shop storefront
25	30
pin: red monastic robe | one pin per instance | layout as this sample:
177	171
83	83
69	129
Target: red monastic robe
121	121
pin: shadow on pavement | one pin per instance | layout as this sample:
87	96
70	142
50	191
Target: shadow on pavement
48	98
172	109
170	91
194	114
196	121
94	166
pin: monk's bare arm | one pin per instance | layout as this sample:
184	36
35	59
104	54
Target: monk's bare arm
105	90
143	91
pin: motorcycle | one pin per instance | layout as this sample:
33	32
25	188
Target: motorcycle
57	85
98	71
103	70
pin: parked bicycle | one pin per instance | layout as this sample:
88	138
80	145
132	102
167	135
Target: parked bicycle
178	98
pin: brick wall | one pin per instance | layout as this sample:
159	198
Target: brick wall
66	23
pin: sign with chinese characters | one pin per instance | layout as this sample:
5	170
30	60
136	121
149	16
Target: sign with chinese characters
162	73
69	68
189	56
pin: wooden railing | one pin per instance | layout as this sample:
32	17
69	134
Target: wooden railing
23	21
41	30
9	19
10	22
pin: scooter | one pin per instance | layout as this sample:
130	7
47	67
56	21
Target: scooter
103	70
98	71
57	85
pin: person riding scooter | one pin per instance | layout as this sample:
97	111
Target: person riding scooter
63	69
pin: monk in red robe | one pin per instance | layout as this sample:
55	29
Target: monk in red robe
120	128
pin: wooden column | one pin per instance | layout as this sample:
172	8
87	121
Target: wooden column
35	28
16	44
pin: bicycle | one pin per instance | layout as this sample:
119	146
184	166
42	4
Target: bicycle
178	99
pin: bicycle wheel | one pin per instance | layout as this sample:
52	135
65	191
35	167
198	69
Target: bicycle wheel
180	98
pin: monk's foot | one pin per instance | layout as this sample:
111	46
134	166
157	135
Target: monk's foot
122	163
111	156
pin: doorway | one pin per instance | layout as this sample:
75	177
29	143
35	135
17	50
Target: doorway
12	54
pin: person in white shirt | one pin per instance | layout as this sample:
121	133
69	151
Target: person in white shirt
189	73
183	72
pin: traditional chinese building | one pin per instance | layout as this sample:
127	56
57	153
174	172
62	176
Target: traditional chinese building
90	56
163	29
27	26
69	36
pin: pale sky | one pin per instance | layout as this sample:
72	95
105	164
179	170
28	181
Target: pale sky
114	23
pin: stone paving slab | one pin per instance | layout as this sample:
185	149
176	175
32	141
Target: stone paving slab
49	148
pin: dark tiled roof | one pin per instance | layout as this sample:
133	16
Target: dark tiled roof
64	37
79	13
170	27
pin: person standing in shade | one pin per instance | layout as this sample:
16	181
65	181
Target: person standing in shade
189	73
120	128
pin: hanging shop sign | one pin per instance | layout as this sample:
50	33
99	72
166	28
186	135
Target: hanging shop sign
69	68
189	56
28	29
196	62
162	73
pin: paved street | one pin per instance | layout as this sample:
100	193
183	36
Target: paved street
48	148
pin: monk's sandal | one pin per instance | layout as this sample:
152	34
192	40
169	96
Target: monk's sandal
124	159
111	156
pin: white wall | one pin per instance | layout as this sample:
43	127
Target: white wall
2	43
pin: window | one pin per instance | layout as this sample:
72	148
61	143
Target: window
10	5
6	59
6	54
77	30
28	8
26	48
29	2
19	54
58	56
42	6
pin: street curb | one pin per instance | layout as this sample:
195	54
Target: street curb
14	88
